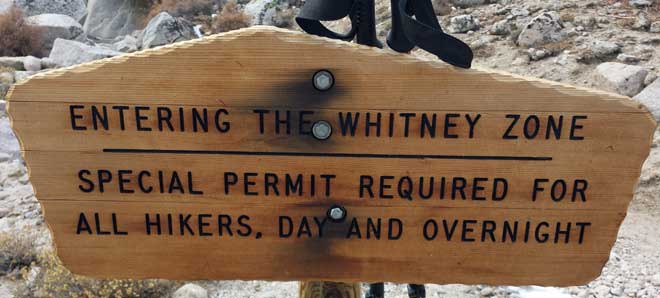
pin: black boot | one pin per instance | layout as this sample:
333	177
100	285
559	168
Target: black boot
376	291
416	291
364	15
414	24
396	39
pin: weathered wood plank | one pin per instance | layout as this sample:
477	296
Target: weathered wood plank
209	109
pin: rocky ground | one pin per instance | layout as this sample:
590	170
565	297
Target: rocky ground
609	45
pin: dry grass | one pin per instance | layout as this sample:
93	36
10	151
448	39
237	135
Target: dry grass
54	280
16	252
17	38
231	18
41	274
284	18
180	8
6	69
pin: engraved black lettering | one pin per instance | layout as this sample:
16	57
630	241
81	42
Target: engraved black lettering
123	181
221	126
139	118
82	176
472	123
507	134
83	225
200	120
449	124
575	127
149	223
230	180
369	124
349	124
303	124
164	115
74	117
100	117
580	187
406	122
261	119
366	183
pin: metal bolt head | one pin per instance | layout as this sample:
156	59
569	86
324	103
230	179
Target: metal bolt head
321	130
323	80
337	213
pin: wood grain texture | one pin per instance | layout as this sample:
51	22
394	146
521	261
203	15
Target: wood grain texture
102	176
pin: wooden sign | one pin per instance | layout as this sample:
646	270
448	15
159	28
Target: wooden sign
198	161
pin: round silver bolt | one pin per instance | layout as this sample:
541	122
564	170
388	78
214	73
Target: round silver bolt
321	130
323	80
337	213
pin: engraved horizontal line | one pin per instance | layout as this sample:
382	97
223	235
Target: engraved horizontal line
352	108
335	155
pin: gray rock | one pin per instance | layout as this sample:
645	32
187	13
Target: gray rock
4	211
538	54
12	62
650	97
32	63
586	21
602	49
7	77
650	78
20	76
56	26
542	29
655	280
8	142
655	27
463	24
5	5
441	7
164	29
642	23
624	79
265	12
519	12
483	41
21	63
503	27
625	58
468	3
128	44
191	291
47	63
73	8
601	291
3	109
4	88
107	19
641	3
617	291
69	52
487	292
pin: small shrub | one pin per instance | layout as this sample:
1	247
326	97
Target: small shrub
284	18
231	18
180	8
6	69
17	37
54	280
16	252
